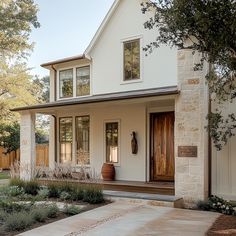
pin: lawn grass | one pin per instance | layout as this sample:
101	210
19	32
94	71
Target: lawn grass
4	175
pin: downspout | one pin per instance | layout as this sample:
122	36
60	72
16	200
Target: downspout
55	118
55	82
209	146
55	137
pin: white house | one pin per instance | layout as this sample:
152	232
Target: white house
99	98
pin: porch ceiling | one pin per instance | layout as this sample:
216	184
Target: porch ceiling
49	108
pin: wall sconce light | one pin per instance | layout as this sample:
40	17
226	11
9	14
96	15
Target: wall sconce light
134	143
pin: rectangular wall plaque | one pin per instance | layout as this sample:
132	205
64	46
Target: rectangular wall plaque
187	151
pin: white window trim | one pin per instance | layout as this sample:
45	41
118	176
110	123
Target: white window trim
73	161
118	164
58	82
140	80
74	82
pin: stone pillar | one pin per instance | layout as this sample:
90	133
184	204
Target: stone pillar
191	173
27	145
52	144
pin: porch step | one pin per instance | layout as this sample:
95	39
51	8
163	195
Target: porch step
165	188
146	198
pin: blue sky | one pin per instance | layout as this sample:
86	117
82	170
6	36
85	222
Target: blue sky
67	26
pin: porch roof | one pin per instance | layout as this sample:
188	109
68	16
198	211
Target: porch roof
171	90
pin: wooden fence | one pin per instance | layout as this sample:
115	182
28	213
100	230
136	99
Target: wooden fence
6	160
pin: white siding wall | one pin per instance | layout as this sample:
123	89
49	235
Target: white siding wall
224	165
157	70
132	118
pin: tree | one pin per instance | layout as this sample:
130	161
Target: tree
17	19
44	85
10	136
16	84
16	89
210	27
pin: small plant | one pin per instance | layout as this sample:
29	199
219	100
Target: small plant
17	182
43	192
18	221
93	195
14	191
77	194
52	211
11	207
215	203
39	214
71	210
2	215
53	190
32	187
65	196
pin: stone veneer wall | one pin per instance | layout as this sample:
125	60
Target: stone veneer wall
191	174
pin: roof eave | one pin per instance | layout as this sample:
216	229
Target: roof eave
171	90
64	60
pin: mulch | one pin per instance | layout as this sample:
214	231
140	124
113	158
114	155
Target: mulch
224	225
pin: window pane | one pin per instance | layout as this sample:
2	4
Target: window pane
132	60
66	83
112	142
82	140
83	81
65	139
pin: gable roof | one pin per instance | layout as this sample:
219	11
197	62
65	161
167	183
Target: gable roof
102	27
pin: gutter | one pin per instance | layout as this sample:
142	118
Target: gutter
55	137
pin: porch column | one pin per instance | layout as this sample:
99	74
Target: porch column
27	145
52	143
191	137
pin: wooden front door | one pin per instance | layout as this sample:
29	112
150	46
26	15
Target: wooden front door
162	165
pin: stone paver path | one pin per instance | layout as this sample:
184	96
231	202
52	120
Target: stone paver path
130	219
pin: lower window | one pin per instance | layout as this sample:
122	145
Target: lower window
82	140
112	140
65	139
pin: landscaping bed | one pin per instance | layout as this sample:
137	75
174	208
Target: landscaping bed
27	204
224	225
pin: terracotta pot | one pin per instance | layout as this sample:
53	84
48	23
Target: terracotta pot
108	171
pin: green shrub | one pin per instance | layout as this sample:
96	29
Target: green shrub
71	210
43	192
204	205
14	191
93	195
2	215
52	211
39	214
77	194
53	190
65	187
218	204
17	182
32	187
65	196
11	207
18	221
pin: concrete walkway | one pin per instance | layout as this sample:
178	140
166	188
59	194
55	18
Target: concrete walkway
130	219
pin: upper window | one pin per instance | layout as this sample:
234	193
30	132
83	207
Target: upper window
66	83
132	60
83	81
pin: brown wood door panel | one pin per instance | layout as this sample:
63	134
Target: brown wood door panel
162	146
